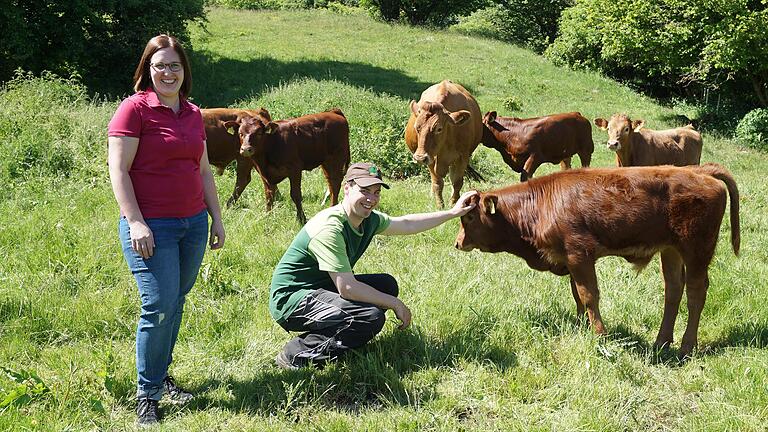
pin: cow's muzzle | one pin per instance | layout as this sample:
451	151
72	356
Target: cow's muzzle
614	145
421	158
246	151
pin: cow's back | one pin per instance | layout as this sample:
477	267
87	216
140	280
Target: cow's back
679	147
559	135
308	141
630	212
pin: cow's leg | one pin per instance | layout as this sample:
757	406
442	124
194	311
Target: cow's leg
697	283
243	178
333	176
584	277
580	310
456	171
673	271
438	172
296	197
530	166
565	163
270	190
586	158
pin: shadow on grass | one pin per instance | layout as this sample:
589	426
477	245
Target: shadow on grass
220	82
752	335
558	321
373	376
747	334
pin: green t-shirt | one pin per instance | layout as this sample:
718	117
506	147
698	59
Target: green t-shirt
327	243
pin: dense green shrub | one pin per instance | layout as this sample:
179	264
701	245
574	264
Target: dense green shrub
97	41
48	127
282	4
523	22
439	13
668	44
752	130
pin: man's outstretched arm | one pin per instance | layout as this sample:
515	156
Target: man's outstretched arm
418	222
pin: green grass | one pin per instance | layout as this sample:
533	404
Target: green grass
494	345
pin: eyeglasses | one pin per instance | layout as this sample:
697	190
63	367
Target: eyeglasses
159	66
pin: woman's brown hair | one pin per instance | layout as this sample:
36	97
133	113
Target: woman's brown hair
141	78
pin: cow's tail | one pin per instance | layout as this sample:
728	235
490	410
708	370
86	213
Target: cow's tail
472	174
719	172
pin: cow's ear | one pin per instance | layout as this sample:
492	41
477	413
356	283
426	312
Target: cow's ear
460	117
637	125
414	108
270	128
601	123
231	127
490	117
489	203
264	113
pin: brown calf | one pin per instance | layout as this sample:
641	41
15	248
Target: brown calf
285	148
564	222
224	147
635	146
525	144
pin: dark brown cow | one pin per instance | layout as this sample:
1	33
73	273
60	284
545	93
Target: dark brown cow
285	148
442	132
525	144
224	147
635	146
564	222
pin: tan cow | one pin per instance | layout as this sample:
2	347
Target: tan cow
635	146
444	129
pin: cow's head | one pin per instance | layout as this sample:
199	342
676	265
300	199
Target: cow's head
620	129
251	130
480	227
433	126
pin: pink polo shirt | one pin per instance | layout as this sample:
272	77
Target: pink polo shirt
166	169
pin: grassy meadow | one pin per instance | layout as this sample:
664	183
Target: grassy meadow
494	345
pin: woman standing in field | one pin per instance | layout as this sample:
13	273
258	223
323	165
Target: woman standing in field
158	166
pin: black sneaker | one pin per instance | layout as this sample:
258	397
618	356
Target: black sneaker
281	360
176	395
147	411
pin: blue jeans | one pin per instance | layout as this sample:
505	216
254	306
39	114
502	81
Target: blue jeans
164	279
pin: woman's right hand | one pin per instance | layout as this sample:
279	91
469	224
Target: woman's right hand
142	240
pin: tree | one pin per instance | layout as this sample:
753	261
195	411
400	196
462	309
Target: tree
99	40
669	43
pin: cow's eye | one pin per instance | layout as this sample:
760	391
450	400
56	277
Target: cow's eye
626	129
438	129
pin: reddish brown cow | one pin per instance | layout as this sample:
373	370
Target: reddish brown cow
224	147
525	144
285	148
635	146
442	132
564	222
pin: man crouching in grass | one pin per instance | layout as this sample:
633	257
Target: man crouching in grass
314	290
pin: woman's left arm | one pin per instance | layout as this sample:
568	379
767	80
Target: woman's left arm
211	199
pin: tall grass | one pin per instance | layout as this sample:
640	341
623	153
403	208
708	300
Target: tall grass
494	345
